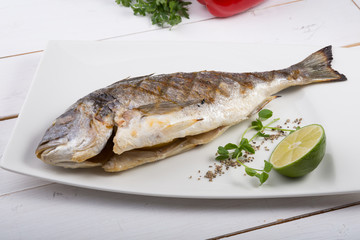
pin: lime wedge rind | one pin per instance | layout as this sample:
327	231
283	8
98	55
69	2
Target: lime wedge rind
304	157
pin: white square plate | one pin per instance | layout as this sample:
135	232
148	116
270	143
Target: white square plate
72	69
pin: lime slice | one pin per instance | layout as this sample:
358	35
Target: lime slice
300	152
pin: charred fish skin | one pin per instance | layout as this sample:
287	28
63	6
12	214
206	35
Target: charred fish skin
154	110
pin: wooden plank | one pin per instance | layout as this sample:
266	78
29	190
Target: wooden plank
305	23
340	224
6	128
16	75
12	182
99	20
356	3
288	220
352	45
21	54
81	20
8	117
75	213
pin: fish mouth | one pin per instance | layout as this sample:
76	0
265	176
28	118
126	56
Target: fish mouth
47	147
48	154
60	152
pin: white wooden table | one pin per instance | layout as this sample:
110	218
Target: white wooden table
31	208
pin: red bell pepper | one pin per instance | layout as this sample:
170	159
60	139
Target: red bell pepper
227	8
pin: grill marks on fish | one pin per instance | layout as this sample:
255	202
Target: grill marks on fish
182	88
103	104
148	118
173	92
179	88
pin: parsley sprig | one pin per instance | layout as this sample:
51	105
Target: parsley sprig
235	151
162	12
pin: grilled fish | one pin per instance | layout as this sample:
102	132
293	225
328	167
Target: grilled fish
148	118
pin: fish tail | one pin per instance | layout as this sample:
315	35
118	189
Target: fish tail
317	67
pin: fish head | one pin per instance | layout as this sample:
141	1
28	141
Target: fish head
74	137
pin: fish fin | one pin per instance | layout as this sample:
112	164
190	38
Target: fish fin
164	107
262	105
317	67
207	137
138	77
179	126
137	157
129	79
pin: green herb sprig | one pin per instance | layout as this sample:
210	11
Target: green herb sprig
162	12
235	151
